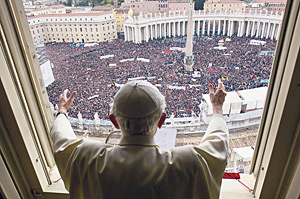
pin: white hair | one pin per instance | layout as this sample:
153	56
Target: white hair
139	126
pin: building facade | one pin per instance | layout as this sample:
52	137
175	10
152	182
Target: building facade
274	5
102	8
179	5
256	25
267	5
156	6
46	10
221	5
79	28
121	14
138	6
35	10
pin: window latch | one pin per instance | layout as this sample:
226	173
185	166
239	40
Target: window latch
37	193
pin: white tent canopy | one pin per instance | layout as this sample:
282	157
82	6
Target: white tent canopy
253	98
243	153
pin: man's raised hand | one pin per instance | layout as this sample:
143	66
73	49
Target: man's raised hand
217	98
65	103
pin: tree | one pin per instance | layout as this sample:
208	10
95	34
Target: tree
199	4
68	3
83	3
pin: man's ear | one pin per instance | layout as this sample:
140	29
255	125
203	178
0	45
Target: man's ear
114	121
162	120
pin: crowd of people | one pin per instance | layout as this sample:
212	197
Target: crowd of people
97	79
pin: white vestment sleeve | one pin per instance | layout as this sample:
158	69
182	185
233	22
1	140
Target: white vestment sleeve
64	144
62	134
214	149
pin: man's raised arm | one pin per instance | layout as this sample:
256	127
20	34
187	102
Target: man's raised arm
217	135
214	144
62	133
217	98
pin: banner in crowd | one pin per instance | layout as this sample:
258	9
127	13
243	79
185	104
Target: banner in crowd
220	48
257	42
177	87
136	78
125	60
90	44
264	81
196	74
106	56
46	69
153	77
143	59
95	96
178	48
198	85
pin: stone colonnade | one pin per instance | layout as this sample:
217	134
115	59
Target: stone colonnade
256	25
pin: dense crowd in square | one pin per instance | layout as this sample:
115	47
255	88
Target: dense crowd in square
81	69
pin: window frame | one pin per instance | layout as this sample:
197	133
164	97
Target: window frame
25	143
276	157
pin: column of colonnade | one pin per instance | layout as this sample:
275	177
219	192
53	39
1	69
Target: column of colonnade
206	26
125	31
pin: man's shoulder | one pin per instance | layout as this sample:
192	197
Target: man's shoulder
92	146
184	152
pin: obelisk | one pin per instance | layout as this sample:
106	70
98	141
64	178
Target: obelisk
189	58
